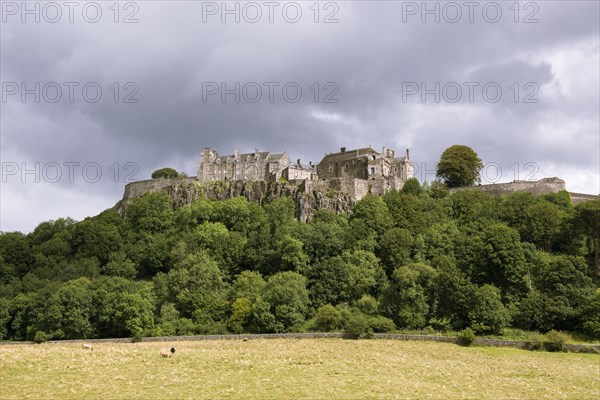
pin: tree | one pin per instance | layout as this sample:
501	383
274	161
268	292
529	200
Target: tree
327	319
543	222
195	285
373	212
587	220
412	186
488	314
503	261
287	296
407	298
454	293
165	173
395	248
459	166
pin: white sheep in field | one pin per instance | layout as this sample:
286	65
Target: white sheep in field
87	346
167	353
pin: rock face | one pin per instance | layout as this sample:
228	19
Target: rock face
186	191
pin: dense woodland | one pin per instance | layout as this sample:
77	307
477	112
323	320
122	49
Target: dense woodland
418	259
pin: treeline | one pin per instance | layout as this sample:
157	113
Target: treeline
421	258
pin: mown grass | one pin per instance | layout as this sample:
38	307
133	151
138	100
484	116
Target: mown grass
292	368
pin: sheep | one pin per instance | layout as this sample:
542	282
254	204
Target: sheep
165	353
87	346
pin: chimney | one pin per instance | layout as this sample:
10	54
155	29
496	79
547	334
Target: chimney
237	154
407	155
383	152
298	161
343	150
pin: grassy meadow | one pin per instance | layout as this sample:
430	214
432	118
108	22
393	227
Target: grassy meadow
293	368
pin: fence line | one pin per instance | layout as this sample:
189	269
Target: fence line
590	348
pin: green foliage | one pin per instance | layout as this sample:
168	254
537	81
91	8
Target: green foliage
373	212
543	222
287	296
395	247
241	312
41	337
488	315
587	221
328	319
380	324
358	327
165	173
459	165
466	337
590	315
554	341
418	259
412	186
151	213
408	298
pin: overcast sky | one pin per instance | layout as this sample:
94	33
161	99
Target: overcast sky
519	83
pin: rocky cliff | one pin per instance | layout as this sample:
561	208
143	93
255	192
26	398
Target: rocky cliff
186	191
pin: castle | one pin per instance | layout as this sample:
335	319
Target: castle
356	171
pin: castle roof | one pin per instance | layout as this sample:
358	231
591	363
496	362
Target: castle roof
348	154
244	156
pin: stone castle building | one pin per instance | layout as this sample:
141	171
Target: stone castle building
366	164
354	171
257	166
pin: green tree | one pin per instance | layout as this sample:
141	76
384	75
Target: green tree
395	247
151	213
459	165
407	299
67	312
94	238
241	313
503	261
488	314
287	296
195	284
165	173
590	315
412	186
587	220
454	293
328	319
373	211
4	318
543	223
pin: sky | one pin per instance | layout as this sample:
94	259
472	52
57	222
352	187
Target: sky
99	94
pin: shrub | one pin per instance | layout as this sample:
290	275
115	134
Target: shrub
554	341
136	338
358	327
327	319
381	324
534	342
41	337
466	337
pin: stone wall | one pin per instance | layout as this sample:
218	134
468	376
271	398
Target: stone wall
572	347
543	186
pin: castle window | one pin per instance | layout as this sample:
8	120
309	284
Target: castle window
372	170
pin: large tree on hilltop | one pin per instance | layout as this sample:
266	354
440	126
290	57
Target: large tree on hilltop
459	166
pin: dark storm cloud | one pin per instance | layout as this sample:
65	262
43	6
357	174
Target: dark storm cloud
370	56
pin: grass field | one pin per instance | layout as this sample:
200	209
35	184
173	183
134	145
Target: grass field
292	368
